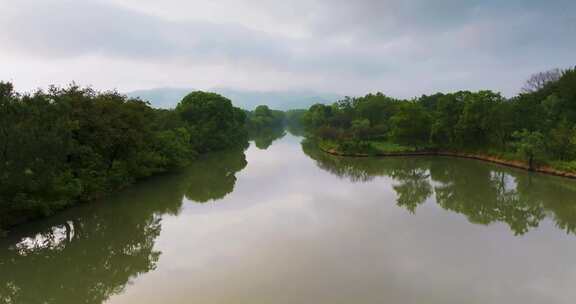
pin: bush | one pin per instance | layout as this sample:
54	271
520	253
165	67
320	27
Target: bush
569	166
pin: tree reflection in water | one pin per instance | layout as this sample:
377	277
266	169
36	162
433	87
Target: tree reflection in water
214	176
263	139
89	253
484	193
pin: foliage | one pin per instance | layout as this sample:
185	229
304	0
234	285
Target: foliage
411	125
73	144
212	120
265	126
294	121
356	146
390	147
561	142
530	145
263	118
360	128
537	125
107	246
540	80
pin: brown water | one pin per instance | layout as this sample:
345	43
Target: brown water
290	224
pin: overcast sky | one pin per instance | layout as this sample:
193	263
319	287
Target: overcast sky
403	48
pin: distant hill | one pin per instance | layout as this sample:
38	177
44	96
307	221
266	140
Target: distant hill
280	100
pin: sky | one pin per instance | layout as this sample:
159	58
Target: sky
403	48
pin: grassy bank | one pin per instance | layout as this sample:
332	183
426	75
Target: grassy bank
384	148
366	147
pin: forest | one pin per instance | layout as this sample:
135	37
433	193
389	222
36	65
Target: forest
63	146
69	145
538	126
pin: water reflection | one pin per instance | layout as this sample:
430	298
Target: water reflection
484	193
412	185
263	139
89	253
214	176
296	130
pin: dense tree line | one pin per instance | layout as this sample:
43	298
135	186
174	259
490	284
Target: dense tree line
293	121
538	125
265	126
73	144
264	118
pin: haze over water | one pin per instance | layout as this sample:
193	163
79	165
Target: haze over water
284	223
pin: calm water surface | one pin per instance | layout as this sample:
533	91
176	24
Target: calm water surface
284	223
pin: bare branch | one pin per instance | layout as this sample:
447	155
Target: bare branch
539	80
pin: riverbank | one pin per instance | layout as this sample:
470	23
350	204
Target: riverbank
219	163
482	157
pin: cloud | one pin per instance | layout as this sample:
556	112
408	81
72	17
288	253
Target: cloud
404	48
50	30
74	28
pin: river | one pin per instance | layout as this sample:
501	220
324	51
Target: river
284	223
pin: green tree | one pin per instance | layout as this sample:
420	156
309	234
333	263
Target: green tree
318	115
263	118
479	122
72	144
530	145
360	128
446	115
376	108
213	122
560	142
411	125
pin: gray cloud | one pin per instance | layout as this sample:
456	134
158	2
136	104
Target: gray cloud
76	28
51	30
405	47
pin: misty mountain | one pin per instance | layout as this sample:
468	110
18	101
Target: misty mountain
280	100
